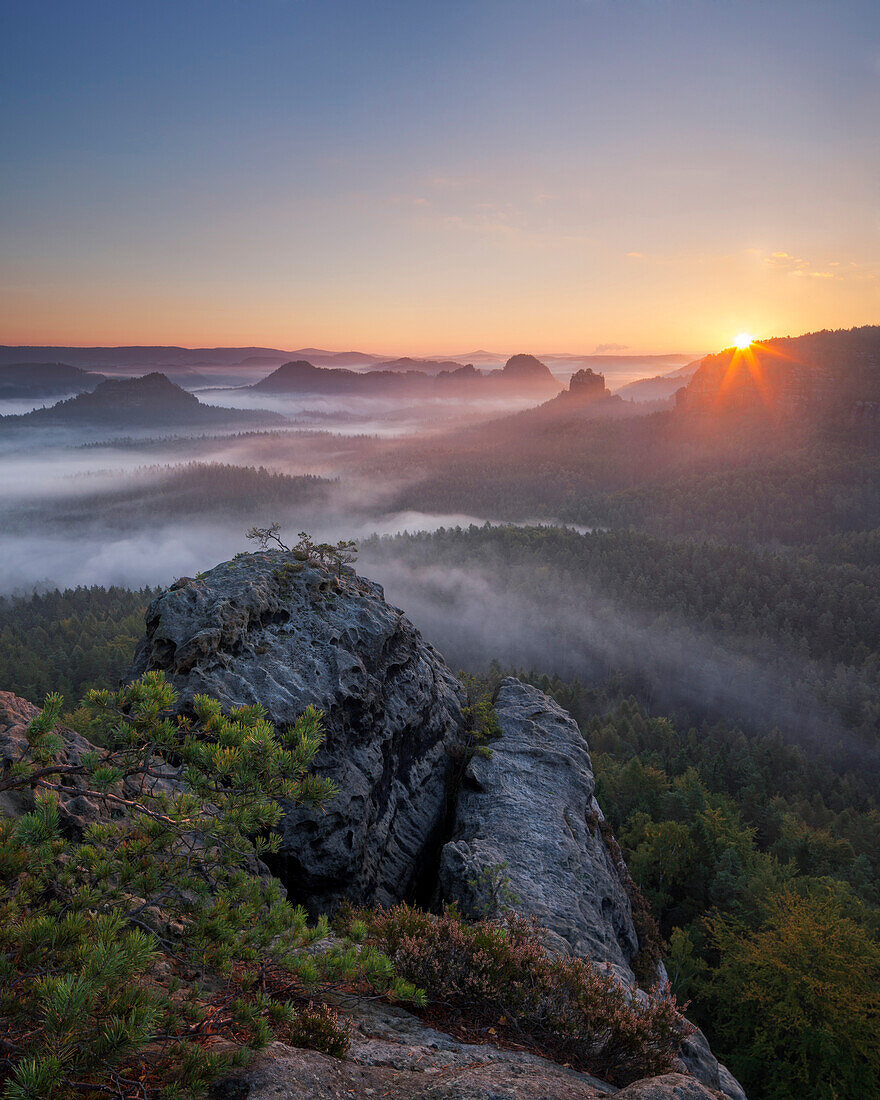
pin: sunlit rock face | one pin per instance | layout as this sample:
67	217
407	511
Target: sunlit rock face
270	629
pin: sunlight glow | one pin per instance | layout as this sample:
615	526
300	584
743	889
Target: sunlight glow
743	340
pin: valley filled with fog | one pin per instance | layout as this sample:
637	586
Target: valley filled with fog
138	480
687	560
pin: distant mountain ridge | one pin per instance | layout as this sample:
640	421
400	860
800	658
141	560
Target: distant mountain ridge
45	380
157	356
522	375
141	356
425	366
149	401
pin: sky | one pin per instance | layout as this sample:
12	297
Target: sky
423	177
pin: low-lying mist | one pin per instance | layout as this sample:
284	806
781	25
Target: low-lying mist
561	625
93	553
381	416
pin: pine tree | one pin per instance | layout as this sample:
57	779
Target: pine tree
98	931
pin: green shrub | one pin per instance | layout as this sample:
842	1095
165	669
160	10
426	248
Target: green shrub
318	1028
498	975
128	948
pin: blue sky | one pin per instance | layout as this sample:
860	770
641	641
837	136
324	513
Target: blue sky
433	177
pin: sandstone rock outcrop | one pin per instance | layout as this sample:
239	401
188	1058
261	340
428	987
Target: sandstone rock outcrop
396	1056
268	628
586	386
272	629
528	818
530	814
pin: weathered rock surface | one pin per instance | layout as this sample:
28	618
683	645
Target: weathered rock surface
396	1056
531	810
268	628
697	1058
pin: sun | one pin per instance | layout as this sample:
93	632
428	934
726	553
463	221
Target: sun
742	340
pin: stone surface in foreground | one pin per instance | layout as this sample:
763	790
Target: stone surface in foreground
396	1056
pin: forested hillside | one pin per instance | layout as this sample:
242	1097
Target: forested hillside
752	483
68	641
766	638
761	866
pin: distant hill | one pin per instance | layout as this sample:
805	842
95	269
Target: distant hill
820	374
425	366
662	387
522	375
150	401
167	357
45	380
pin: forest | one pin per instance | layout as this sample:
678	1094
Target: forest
440	550
750	837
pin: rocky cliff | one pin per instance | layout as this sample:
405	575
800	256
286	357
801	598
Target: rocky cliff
528	816
524	831
271	629
529	834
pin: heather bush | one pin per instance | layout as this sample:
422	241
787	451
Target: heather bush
497	974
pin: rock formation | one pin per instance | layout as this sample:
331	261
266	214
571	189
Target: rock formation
586	386
527	821
527	371
530	810
397	1056
270	629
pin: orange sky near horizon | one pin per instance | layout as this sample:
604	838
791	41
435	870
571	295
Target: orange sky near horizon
432	179
646	305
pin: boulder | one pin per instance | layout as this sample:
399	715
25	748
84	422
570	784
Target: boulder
527	834
271	629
